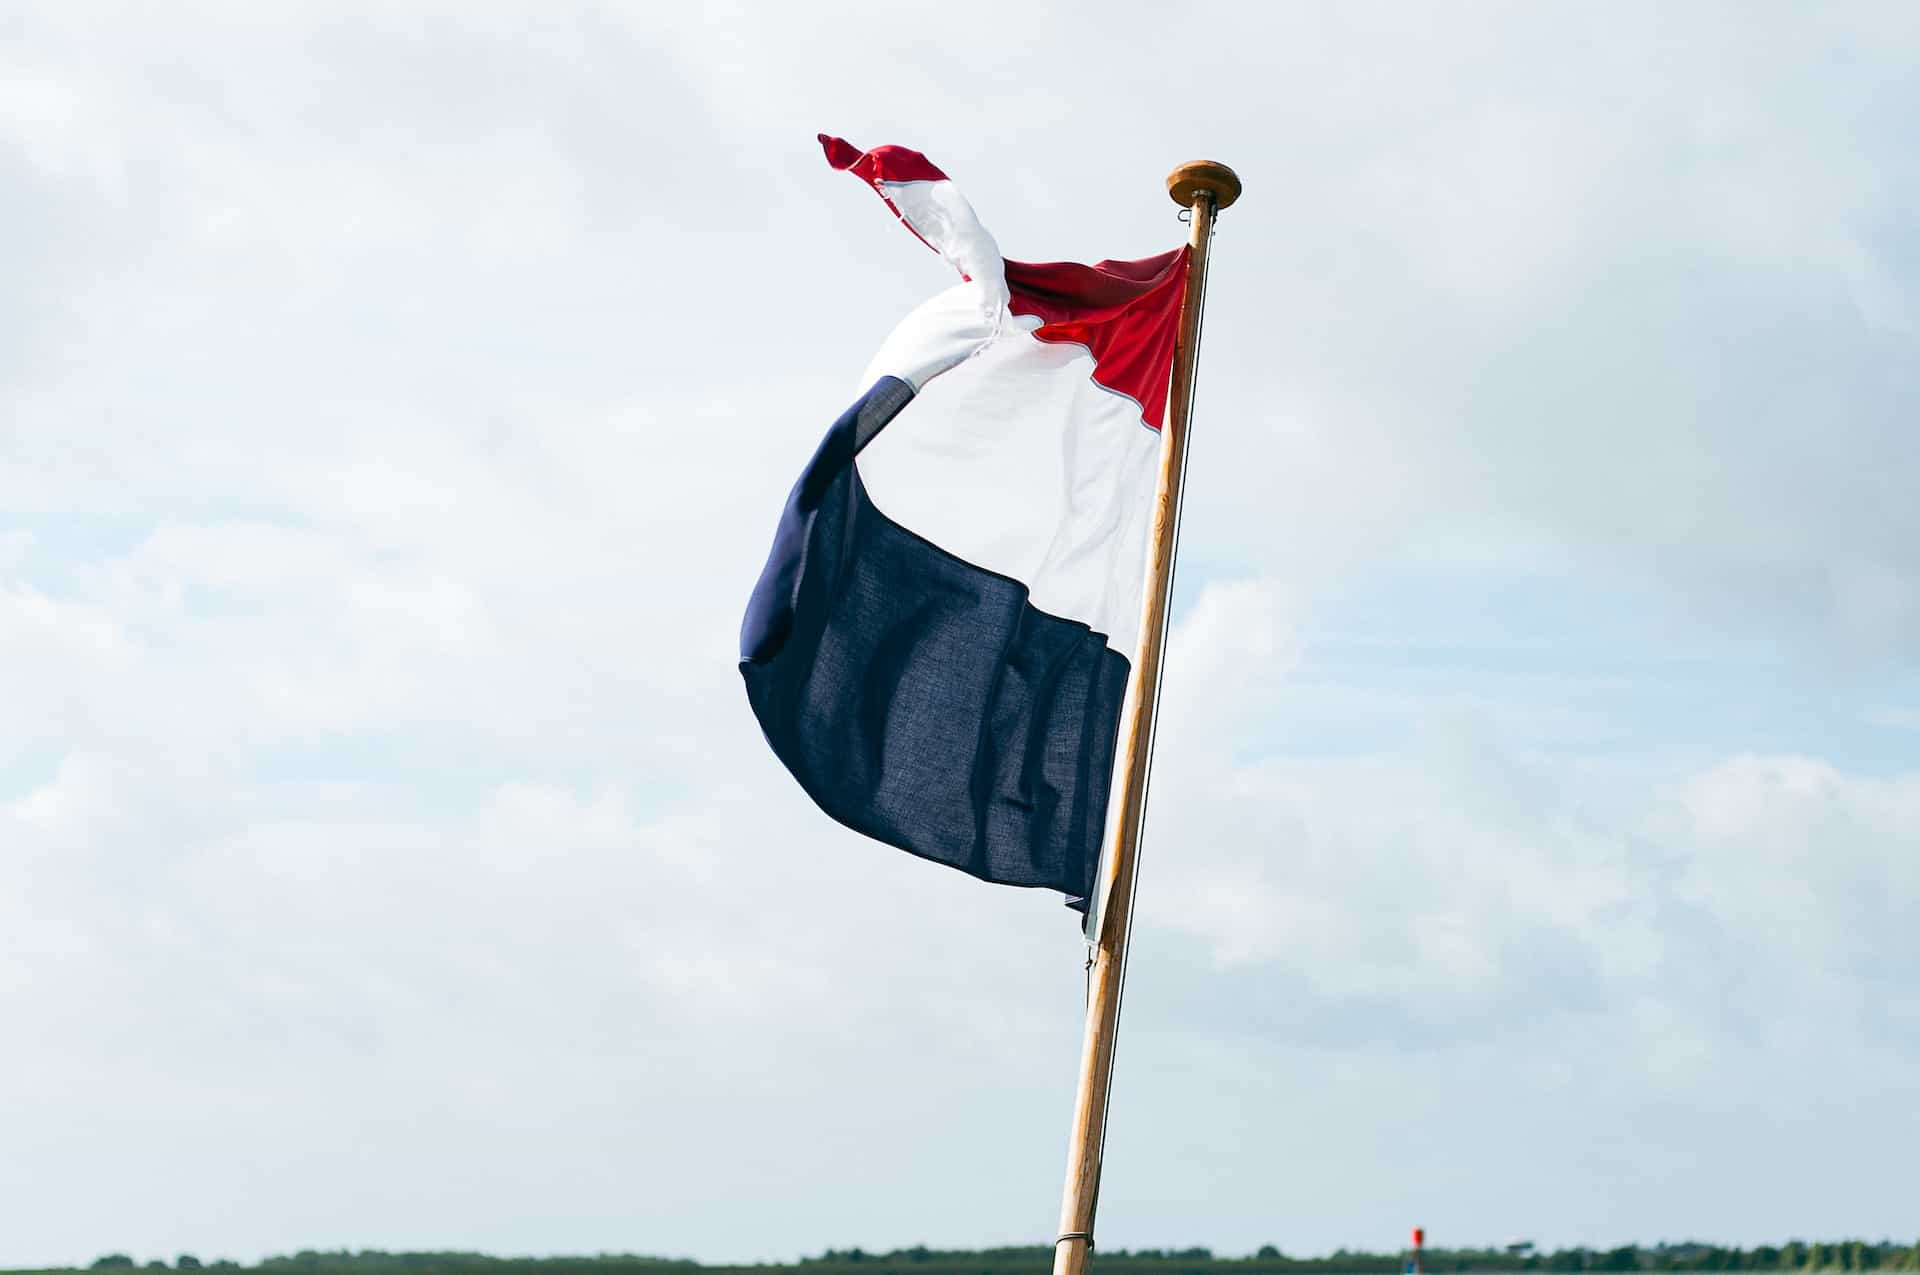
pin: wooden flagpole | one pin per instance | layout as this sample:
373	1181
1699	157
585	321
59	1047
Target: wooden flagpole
1204	188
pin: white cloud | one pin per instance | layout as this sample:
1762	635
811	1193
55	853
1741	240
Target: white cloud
60	805
395	408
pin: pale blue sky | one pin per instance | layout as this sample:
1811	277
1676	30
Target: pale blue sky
395	404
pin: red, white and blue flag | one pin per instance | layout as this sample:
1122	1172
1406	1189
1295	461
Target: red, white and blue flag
939	645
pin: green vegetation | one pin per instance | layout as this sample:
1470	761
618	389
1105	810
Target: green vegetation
1795	1255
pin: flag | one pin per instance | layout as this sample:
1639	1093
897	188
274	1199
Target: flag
939	645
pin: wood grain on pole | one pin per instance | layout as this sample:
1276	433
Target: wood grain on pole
1204	187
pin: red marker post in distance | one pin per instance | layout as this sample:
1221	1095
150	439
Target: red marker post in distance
1419	1241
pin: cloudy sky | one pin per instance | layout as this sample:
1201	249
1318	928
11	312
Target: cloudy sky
395	404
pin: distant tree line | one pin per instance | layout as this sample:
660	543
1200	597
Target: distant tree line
1795	1255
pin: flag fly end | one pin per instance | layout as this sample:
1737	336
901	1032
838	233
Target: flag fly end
840	153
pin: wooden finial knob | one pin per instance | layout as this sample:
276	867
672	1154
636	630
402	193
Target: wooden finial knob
1203	177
